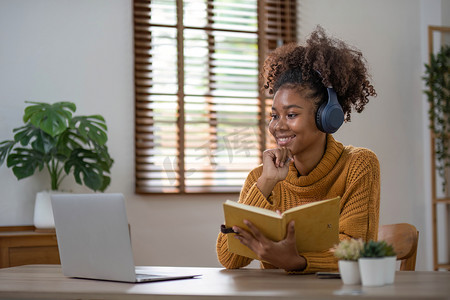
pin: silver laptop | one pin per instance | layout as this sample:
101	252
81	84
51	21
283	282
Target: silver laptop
94	239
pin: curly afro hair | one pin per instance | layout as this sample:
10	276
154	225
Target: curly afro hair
322	62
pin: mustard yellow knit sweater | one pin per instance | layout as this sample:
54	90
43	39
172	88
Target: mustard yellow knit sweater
349	172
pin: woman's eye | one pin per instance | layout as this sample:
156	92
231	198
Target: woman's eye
291	115
273	116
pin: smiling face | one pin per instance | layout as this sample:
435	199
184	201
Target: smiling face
293	123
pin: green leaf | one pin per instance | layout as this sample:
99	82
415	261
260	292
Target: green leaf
68	141
373	249
87	169
105	160
437	79
51	118
5	148
38	139
106	182
92	128
43	143
24	162
25	133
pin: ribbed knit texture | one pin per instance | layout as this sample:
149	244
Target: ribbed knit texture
349	172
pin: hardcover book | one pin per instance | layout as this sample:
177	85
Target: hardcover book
316	224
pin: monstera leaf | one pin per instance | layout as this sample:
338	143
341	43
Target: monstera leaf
92	128
88	168
24	162
53	138
53	119
5	149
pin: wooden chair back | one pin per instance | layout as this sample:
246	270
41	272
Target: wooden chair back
404	238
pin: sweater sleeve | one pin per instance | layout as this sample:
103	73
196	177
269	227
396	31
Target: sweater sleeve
359	209
251	195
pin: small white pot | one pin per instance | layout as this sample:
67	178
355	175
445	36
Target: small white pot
349	271
43	212
390	267
373	271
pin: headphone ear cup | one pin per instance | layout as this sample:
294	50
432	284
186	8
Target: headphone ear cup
319	116
333	117
330	116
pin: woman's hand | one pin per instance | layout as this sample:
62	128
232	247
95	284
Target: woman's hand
275	169
282	254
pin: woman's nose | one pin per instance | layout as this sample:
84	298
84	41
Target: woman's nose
281	124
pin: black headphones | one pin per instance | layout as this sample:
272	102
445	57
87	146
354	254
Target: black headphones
330	116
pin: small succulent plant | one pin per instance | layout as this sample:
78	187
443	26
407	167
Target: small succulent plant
388	249
348	249
376	249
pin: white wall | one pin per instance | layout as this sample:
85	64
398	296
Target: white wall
52	50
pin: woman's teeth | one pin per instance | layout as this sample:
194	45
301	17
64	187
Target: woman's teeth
284	140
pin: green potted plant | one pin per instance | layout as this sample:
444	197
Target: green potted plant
437	79
348	253
390	258
372	263
55	139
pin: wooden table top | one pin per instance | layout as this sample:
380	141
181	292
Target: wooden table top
47	282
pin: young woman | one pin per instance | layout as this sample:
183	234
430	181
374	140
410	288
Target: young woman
309	164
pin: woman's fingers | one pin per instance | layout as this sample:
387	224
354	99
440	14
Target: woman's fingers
252	239
246	238
290	237
279	156
280	254
282	156
280	159
255	231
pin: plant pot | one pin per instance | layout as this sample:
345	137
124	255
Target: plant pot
373	271
390	267
43	212
349	271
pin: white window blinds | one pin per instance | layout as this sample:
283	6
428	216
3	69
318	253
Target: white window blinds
200	114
